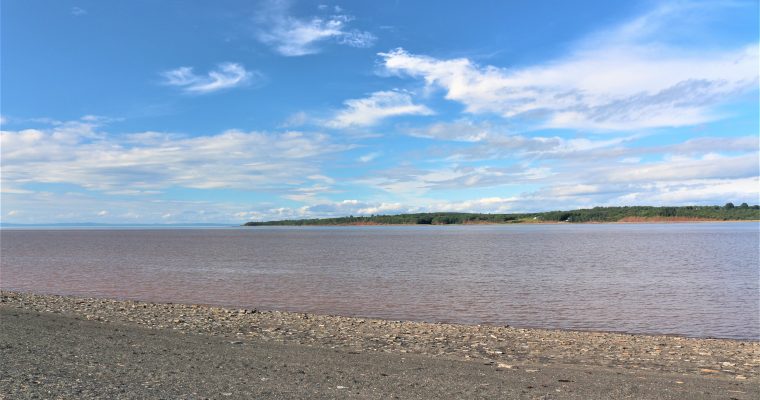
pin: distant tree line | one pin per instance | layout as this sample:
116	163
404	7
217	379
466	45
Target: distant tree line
727	212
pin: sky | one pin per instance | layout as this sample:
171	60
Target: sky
232	111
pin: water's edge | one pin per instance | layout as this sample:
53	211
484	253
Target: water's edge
287	310
505	347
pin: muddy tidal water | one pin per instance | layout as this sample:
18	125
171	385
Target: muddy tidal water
687	279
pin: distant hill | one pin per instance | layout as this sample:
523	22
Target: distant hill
728	212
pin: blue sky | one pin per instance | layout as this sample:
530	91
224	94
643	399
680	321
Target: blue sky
228	111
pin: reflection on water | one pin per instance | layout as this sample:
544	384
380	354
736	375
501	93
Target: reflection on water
689	279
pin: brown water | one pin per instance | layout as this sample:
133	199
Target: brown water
689	279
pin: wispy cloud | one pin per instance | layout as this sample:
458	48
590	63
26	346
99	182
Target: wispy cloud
378	106
293	36
556	197
483	140
462	130
675	169
225	76
571	172
369	157
625	90
78	11
622	79
80	153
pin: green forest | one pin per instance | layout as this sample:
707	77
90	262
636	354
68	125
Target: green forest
728	212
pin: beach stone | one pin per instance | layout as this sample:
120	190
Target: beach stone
501	345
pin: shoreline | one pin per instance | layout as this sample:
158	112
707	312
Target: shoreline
17	227
264	310
738	360
526	222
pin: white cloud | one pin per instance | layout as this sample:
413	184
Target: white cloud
486	204
47	207
296	119
565	191
357	38
328	208
79	153
369	157
462	130
102	213
355	207
619	80
612	90
683	168
412	182
378	106
6	188
309	194
382	208
292	36
583	172
488	141
78	11
560	197
700	191
225	76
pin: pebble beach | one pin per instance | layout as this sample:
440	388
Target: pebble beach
502	346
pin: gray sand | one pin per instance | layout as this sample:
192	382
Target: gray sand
55	356
48	349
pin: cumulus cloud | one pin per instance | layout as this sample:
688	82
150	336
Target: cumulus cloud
373	109
225	76
292	36
619	80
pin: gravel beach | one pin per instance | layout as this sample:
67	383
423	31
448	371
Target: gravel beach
68	347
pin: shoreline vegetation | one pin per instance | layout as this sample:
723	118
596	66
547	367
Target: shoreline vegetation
501	346
633	214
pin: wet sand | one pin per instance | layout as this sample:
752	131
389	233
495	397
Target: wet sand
63	347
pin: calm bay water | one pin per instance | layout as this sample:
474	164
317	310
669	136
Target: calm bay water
688	279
